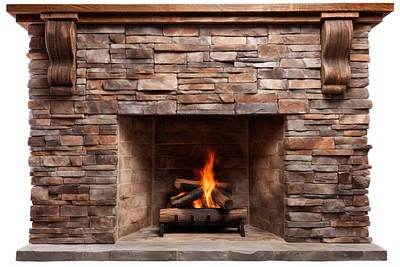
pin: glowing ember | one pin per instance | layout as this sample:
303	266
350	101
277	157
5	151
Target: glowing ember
208	181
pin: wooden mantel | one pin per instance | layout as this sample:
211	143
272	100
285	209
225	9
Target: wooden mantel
368	13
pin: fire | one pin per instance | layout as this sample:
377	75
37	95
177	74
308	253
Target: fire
208	181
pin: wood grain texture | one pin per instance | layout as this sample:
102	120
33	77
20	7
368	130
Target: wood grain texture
370	13
336	38
197	8
61	47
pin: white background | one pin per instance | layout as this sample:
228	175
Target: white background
14	132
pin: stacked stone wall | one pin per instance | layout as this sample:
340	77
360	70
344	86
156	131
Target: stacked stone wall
208	70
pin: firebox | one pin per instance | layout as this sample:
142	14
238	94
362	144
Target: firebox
126	99
156	151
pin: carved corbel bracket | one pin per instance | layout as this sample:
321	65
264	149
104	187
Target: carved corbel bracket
336	39
60	36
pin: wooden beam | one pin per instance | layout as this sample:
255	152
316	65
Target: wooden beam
202	14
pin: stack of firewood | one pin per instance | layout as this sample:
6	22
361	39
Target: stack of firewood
188	191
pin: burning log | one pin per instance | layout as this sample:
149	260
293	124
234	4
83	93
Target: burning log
183	200
189	185
222	199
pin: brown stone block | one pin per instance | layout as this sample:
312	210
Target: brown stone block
242	78
47	180
181	47
320	189
333	152
181	30
157	82
222	30
304	84
39	193
44	211
223	40
207	108
36	141
71	140
303	216
56	161
236	87
98	56
68	189
311	39
360	182
303	202
39	104
97	107
200	98
298	176
362	140
349	224
207	75
80	197
256	108
49	219
170	68
100	140
143	30
271	51
166	107
74	211
223	56
194	86
309	142
195	56
260	97
93	84
355	133
272	84
233	47
333	206
37	83
294	188
148	39
118	84
293	106
354	119
101	222
204	68
136	53
360	201
170	58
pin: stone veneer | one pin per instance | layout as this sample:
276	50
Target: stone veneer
125	70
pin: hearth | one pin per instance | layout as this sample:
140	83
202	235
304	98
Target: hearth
125	100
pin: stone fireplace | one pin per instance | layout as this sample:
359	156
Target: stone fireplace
124	99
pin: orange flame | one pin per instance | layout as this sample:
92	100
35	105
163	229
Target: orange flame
208	181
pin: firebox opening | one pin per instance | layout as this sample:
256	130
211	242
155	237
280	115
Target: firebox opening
153	151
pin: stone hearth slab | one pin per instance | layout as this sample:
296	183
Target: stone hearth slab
202	251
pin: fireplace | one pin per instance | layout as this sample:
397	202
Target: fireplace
124	100
155	151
